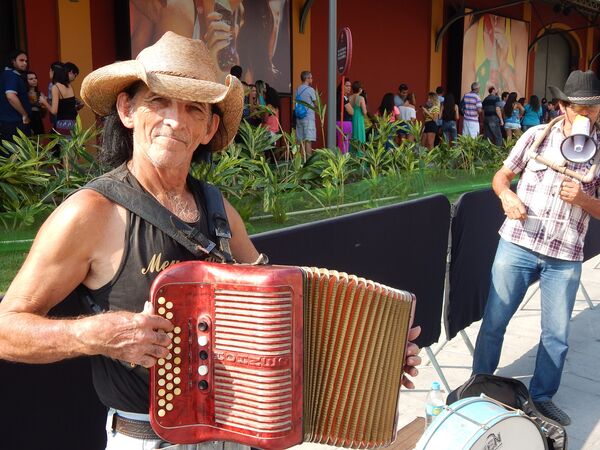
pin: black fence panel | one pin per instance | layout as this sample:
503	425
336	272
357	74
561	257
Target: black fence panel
403	246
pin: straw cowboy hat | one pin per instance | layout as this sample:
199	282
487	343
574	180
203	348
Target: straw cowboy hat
176	67
581	88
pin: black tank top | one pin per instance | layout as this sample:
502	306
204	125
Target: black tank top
67	109
147	252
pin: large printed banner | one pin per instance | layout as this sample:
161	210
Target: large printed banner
495	54
254	34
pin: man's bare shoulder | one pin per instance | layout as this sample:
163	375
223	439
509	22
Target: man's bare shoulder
85	207
84	215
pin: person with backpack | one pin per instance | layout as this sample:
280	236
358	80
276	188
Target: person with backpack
306	128
542	239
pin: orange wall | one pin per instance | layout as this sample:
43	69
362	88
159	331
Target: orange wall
390	46
41	19
102	16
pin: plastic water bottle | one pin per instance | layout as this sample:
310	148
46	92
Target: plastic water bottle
434	403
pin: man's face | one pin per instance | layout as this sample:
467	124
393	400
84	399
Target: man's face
166	131
309	79
404	93
571	111
20	62
347	88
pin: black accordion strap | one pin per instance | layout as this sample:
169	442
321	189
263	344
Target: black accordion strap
218	225
149	209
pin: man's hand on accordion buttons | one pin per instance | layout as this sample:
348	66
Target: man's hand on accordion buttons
412	359
136	338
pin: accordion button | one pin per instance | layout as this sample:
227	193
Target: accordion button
203	385
203	326
161	300
203	370
202	341
177	391
177	360
162	402
169	406
162	311
170	386
169	376
161	362
177	350
177	340
169	315
161	392
161	413
177	330
169	305
161	371
176	380
203	355
169	397
177	370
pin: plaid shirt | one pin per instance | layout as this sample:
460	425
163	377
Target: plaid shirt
553	227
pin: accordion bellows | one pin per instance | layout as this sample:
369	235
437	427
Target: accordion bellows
272	356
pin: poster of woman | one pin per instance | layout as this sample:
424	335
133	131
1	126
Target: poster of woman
254	34
495	53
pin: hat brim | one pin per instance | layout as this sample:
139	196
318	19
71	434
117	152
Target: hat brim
100	89
585	101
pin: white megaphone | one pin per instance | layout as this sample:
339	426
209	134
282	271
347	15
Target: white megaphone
579	147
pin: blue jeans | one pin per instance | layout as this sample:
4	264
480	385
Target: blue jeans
450	130
515	269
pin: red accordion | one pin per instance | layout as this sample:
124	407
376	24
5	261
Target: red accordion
271	356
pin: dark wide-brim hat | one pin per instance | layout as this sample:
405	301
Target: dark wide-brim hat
174	67
581	88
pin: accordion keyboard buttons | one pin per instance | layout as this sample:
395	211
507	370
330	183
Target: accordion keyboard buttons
169	367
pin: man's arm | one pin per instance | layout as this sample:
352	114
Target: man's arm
79	243
499	114
14	101
511	203
242	248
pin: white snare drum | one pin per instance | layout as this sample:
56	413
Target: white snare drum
481	424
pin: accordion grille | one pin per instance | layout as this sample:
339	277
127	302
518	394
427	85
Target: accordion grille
257	328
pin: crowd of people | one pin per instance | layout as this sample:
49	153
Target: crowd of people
495	117
23	106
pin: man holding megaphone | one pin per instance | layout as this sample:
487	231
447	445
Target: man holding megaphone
543	234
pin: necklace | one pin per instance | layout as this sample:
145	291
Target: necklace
175	202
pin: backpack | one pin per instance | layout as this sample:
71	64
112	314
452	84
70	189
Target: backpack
300	109
514	394
462	106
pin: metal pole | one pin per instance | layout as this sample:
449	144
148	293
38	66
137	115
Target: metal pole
331	73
